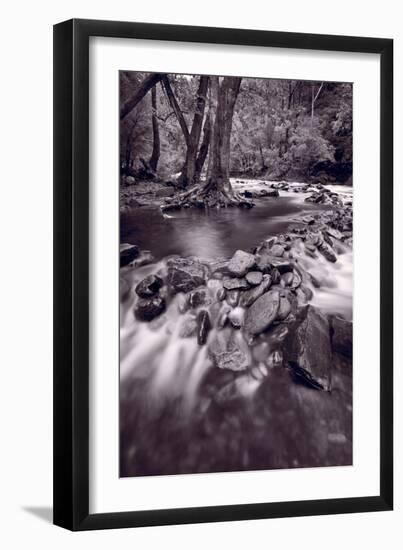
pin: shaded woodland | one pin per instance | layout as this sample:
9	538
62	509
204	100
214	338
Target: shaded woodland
203	129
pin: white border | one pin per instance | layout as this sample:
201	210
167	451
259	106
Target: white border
108	493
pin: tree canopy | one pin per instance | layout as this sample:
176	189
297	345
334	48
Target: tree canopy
279	129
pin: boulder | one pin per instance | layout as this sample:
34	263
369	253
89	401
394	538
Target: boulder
203	327
253	294
149	286
342	336
240	263
262	312
149	308
254	277
185	275
128	252
307	349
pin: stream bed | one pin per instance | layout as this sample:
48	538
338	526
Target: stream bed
180	414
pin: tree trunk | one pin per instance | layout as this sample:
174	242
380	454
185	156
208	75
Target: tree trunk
155	155
175	107
219	158
314	98
148	83
216	191
201	157
188	175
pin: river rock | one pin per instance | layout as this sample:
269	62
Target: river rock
273	193
221	294
237	317
327	252
307	349
287	278
198	297
284	308
262	312
342	336
128	252
254	277
240	263
185	275
223	317
277	250
232	298
203	327
253	294
149	308
235	283
149	286
267	262
227	354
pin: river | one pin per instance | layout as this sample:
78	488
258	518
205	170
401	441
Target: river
171	403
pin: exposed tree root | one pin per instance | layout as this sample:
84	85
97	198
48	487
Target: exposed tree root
208	195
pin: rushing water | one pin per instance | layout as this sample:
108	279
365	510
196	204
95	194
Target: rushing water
166	380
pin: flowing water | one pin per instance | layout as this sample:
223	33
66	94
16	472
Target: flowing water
172	400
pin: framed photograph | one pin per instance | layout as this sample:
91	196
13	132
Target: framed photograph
223	318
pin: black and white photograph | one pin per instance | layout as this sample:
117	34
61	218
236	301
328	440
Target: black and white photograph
236	266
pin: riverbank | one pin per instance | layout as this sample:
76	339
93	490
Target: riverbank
239	341
160	194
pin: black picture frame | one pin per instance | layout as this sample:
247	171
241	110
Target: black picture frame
71	274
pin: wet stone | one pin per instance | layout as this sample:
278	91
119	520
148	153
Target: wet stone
149	308
232	298
342	336
198	298
235	283
240	263
221	294
277	250
308	349
149	286
253	294
185	274
262	312
237	317
128	252
254	277
203	327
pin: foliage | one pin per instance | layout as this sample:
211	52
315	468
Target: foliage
281	128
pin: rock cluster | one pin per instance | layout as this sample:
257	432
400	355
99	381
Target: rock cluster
260	311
